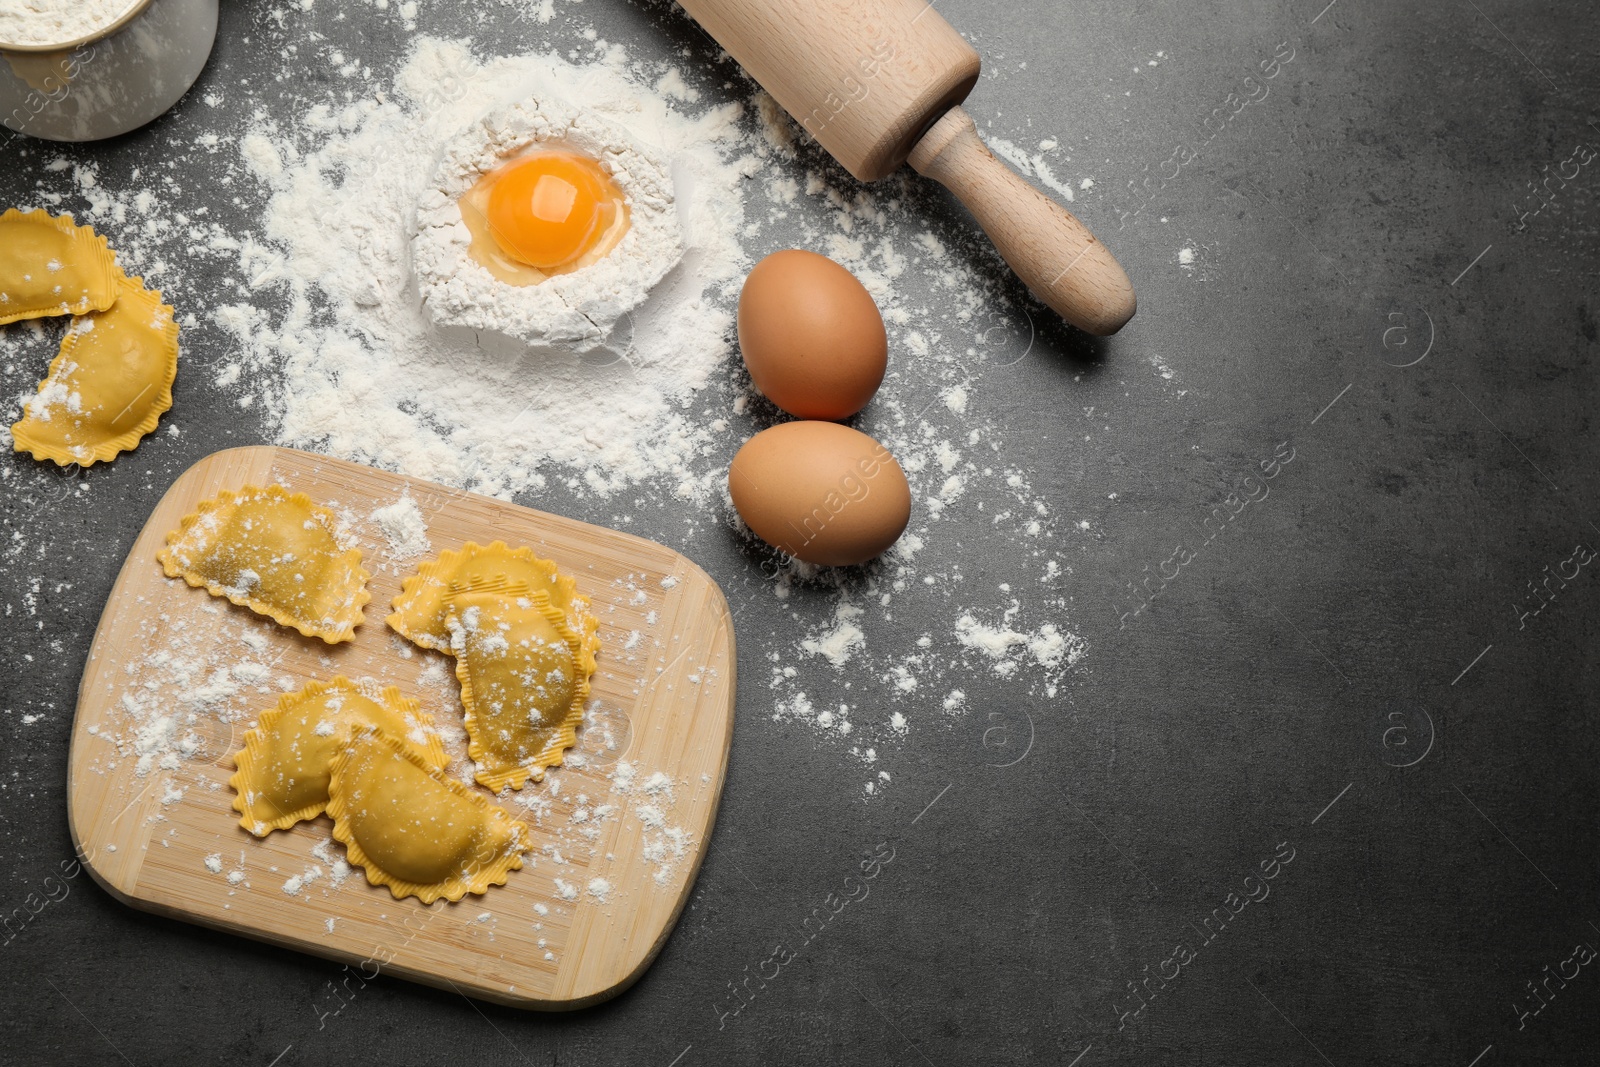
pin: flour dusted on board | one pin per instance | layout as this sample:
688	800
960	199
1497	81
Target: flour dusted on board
186	705
404	528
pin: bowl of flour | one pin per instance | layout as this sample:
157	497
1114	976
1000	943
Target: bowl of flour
82	70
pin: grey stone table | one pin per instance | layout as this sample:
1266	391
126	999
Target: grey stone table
1329	798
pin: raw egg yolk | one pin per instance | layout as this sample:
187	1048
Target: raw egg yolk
549	211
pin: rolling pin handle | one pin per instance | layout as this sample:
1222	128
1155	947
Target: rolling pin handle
1048	248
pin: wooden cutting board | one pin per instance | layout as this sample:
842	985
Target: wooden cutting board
600	889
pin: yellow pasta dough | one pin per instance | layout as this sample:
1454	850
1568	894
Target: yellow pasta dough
109	384
50	266
420	609
287	760
524	674
276	553
413	828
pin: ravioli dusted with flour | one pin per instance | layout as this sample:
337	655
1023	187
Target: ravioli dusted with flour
108	385
51	266
413	828
286	764
420	609
545	225
524	676
276	553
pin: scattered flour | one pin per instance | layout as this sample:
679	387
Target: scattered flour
838	643
1034	166
1006	648
298	882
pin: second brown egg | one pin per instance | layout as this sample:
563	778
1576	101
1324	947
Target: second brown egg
811	336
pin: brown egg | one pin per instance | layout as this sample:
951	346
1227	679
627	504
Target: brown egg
821	492
811	336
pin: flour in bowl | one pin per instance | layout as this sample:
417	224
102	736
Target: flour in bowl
42	22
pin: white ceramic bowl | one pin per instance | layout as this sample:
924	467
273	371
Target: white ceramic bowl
112	81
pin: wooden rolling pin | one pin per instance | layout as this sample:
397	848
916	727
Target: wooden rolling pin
878	83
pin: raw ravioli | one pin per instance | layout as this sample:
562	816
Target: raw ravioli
420	609
524	674
287	760
109	384
50	266
416	830
276	553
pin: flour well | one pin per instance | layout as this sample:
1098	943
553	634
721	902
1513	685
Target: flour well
577	310
362	372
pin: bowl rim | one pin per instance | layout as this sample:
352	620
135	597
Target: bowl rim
135	9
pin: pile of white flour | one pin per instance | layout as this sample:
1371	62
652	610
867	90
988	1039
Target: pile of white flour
362	373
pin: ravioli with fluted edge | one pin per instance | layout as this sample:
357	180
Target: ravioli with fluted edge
413	828
276	553
524	674
108	385
420	609
287	761
49	265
